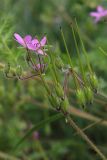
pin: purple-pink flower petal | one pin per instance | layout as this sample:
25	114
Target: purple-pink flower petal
35	42
31	44
94	14
43	41
100	9
19	39
40	51
100	13
27	39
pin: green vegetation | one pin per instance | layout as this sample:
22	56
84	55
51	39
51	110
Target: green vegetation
34	124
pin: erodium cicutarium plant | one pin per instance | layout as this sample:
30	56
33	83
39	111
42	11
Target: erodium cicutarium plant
85	82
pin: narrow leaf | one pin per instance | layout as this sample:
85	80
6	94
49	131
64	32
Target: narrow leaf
38	126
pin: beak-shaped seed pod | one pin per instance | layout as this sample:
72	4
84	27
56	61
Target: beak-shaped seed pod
59	63
59	90
81	97
89	95
54	101
64	105
94	82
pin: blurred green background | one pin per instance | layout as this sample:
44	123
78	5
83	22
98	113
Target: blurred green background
24	103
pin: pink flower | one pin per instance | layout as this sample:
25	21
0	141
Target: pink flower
31	44
39	45
101	12
25	42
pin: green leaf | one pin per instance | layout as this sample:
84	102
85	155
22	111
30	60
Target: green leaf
38	126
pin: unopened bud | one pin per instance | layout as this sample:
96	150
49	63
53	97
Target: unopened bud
81	97
94	82
88	95
59	63
59	90
64	105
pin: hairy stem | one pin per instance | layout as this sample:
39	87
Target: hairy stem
85	137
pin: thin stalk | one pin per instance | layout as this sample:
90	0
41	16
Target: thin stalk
43	80
28	77
69	58
83	48
78	53
44	83
30	59
85	137
90	125
101	49
53	68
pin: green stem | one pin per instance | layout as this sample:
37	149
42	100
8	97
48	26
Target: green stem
101	49
69	58
53	67
44	83
84	136
78	53
83	48
91	125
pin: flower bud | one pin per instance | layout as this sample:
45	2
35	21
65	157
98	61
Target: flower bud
88	95
19	70
64	105
81	97
94	82
59	63
59	90
54	101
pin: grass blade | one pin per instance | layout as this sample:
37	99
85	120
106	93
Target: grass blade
38	126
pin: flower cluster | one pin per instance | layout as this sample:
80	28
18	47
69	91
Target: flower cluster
32	44
99	14
85	87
